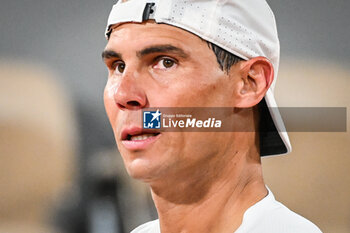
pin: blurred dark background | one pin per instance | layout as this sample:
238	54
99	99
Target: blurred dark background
65	38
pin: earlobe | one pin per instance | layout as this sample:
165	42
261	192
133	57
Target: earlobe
256	78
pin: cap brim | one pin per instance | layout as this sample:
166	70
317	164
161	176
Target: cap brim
274	139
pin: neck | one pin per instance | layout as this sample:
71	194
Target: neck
213	200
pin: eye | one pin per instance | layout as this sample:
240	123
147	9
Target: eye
165	63
118	66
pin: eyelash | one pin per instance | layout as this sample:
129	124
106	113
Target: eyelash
158	58
115	63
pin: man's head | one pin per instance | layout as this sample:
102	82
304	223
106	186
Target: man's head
157	65
160	65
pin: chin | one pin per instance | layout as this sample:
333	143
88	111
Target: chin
142	169
147	165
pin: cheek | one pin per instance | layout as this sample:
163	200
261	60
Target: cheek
201	91
212	90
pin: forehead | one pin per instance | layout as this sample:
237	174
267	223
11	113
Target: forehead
148	33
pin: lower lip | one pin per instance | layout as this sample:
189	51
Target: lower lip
139	144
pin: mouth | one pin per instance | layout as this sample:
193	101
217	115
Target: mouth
140	137
135	138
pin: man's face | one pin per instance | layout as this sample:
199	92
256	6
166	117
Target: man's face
157	65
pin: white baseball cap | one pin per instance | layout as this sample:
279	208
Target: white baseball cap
245	28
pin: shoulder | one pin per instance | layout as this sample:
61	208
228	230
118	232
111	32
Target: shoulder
286	220
271	216
148	227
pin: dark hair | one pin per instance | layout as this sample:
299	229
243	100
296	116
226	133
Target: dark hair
225	59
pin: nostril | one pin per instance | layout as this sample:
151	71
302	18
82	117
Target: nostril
133	103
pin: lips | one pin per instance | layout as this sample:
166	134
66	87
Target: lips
136	138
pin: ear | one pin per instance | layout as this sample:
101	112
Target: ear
255	78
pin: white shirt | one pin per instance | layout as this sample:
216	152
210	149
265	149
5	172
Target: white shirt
265	216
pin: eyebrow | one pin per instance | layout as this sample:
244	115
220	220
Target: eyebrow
162	49
106	54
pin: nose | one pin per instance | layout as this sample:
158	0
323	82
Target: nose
130	95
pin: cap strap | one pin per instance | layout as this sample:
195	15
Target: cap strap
148	11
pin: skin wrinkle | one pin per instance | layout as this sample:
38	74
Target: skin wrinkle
210	177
